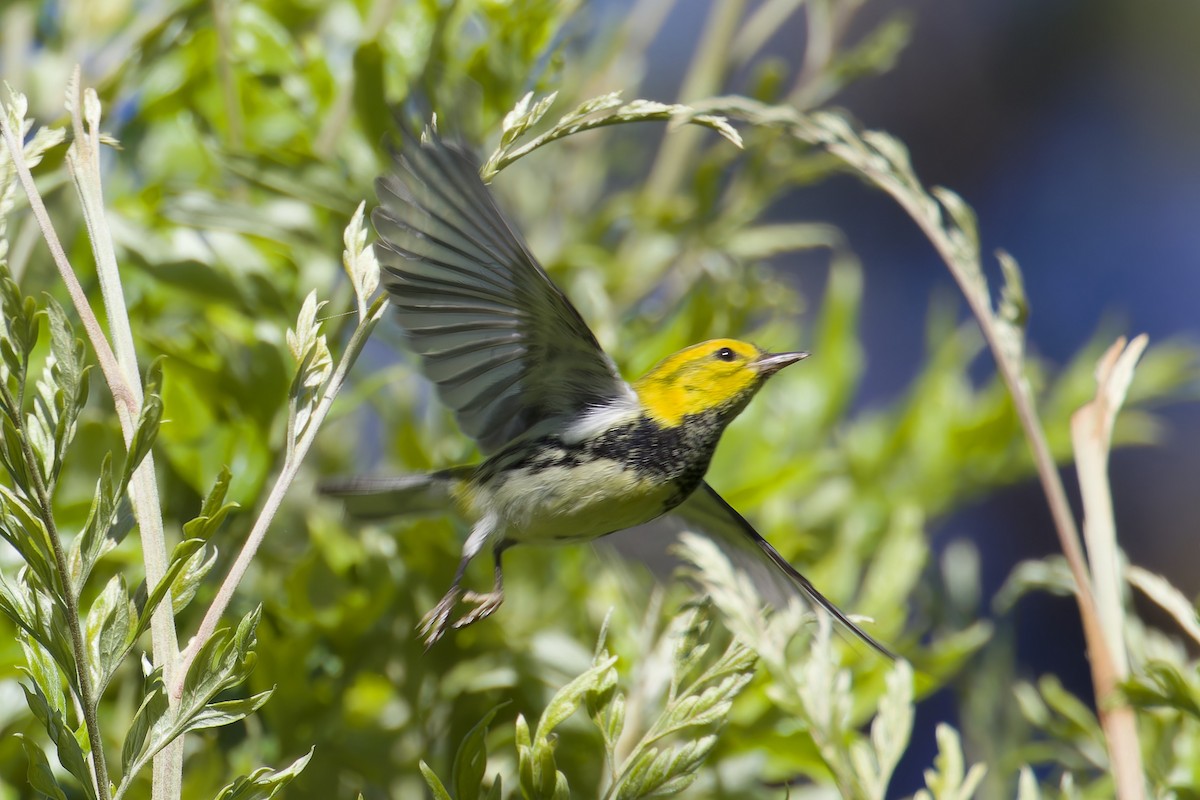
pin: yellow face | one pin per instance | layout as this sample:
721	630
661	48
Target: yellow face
721	374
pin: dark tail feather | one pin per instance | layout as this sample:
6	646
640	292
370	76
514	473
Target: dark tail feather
775	578
818	598
369	497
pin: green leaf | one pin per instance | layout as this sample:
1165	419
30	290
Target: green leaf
11	453
224	661
522	118
875	53
525	765
184	587
14	379
41	777
181	557
1014	304
470	762
892	726
964	233
94	540
1070	708
545	770
18	323
44	672
43	619
151	710
948	780
359	262
666	771
598	698
107	630
68	376
70	754
1050	574
148	421
264	783
1163	685
23	528
567	699
599	112
67	349
213	510
1170	599
435	784
215	715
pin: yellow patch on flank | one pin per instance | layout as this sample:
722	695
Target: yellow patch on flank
698	379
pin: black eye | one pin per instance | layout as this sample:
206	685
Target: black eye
725	354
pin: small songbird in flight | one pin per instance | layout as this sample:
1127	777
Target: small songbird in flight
572	451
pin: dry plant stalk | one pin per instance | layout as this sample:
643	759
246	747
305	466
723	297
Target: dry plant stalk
1091	435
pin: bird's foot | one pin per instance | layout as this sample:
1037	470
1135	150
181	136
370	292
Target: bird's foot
486	604
434	624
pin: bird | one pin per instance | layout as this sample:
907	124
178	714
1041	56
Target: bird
571	451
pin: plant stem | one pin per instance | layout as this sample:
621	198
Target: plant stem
291	466
87	698
1091	435
1118	722
705	75
339	114
676	153
127	406
83	163
229	89
1119	726
902	185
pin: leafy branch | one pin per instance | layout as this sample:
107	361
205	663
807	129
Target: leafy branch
813	688
665	758
598	112
39	422
699	697
316	384
950	225
83	165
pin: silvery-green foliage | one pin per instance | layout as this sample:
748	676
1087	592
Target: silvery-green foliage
70	636
703	683
656	750
597	112
949	779
264	783
224	661
813	687
44	596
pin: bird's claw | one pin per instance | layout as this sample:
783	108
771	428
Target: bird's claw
486	604
433	625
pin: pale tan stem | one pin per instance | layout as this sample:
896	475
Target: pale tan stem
83	164
262	524
1091	435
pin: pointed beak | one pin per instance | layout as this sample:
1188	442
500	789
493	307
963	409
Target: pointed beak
770	363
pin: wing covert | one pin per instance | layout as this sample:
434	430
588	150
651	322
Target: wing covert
715	518
502	343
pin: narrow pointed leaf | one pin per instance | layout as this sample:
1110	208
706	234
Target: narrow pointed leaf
265	783
40	775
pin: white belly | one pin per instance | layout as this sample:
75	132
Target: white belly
569	504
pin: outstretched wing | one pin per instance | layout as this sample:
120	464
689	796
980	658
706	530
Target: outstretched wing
503	344
708	511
